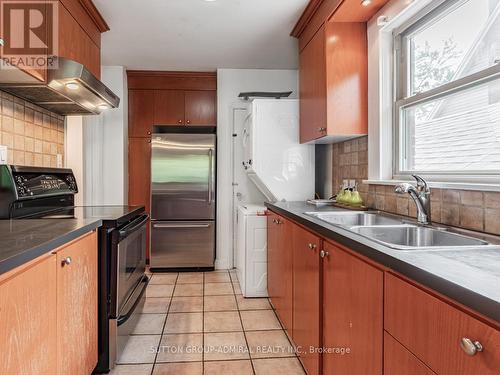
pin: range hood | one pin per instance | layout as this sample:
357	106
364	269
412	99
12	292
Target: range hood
70	89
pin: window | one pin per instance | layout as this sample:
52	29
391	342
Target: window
447	109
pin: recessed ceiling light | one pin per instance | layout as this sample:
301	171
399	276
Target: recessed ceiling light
210	1
103	107
365	3
72	86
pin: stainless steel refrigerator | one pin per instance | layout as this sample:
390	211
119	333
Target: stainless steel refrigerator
183	200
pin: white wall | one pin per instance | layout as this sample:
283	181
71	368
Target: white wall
75	154
230	82
106	145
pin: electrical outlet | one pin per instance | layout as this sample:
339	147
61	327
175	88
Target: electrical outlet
59	161
3	154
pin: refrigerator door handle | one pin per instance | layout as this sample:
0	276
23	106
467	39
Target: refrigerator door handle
210	172
187	226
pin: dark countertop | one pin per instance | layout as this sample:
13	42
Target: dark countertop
26	239
470	277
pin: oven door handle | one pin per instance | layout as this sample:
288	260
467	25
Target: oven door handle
123	318
180	226
133	226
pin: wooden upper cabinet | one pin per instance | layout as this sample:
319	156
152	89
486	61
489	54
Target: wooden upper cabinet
334	83
77	314
433	331
76	44
168	107
280	271
201	108
306	296
28	338
352	313
140	113
313	121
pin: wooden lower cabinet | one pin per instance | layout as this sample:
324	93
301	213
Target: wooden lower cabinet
27	319
398	360
306	297
77	306
433	330
352	314
279	263
48	313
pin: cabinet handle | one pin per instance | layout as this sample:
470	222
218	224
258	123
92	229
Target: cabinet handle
180	121
149	140
149	133
188	122
470	347
324	254
322	130
66	261
311	246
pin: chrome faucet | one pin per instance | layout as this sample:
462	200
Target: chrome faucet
421	195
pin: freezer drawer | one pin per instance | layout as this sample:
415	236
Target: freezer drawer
182	244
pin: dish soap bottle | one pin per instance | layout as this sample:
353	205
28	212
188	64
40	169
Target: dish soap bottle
356	199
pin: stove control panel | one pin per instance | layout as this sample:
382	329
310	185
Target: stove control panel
30	184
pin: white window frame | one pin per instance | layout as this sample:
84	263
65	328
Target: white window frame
402	81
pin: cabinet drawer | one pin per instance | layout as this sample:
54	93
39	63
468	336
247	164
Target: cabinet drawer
433	330
398	360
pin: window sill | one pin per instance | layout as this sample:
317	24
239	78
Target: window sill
442	185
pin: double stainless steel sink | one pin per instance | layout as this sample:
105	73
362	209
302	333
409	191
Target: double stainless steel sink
398	233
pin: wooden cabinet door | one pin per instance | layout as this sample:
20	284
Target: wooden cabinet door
279	273
352	313
432	329
28	320
169	107
200	108
306	297
398	360
75	44
140	113
77	306
139	176
312	73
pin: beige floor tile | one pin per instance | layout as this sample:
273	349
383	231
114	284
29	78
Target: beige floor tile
190	278
217	277
269	344
150	324
186	304
184	323
140	349
181	348
159	290
132	370
278	366
189	368
225	346
156	305
227	321
234	276
218	289
252	303
220	303
163	278
188	290
237	288
240	367
259	320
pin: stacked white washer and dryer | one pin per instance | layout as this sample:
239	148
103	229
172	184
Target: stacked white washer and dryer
282	169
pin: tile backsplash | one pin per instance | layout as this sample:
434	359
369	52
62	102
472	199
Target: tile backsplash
33	135
475	210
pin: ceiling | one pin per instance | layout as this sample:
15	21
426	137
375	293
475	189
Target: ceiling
200	35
